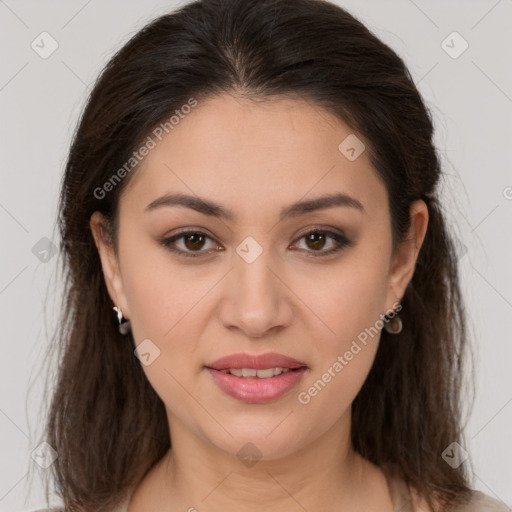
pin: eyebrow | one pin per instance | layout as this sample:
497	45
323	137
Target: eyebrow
208	207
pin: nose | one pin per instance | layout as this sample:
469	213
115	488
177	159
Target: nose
256	300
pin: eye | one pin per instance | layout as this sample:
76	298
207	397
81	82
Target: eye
192	243
318	238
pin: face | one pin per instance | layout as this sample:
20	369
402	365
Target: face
305	283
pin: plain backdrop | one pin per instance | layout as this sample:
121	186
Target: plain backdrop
469	91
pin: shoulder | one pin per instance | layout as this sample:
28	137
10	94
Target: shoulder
122	507
481	502
52	509
406	499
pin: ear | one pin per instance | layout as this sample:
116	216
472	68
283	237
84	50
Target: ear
109	262
406	254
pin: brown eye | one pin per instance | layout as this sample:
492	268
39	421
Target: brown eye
316	241
192	243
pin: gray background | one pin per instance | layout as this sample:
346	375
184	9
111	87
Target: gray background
471	100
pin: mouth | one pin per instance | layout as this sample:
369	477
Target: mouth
256	379
257	373
257	390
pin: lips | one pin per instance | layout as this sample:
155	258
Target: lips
261	388
256	390
257	362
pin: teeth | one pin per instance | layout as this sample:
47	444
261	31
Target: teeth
249	372
265	374
252	372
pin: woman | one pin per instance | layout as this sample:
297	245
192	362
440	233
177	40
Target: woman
252	189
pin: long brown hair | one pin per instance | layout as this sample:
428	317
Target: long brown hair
105	421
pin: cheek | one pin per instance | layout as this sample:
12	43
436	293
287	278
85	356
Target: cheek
344	300
349	303
329	391
343	359
164	303
159	292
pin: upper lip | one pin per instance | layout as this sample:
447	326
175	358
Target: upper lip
258	362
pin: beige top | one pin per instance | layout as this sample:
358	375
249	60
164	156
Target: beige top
403	501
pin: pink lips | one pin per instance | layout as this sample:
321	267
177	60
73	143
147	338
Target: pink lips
267	360
255	389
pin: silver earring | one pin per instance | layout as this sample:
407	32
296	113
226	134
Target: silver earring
124	324
394	324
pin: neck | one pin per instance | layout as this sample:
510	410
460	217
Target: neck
320	476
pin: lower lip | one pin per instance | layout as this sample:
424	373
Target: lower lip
256	390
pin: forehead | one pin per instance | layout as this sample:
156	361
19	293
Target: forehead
254	155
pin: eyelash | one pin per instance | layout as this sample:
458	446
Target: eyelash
341	240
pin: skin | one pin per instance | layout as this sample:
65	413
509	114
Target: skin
255	158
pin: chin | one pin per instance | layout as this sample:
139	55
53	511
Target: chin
253	446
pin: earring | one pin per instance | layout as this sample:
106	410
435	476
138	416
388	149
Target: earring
124	324
394	324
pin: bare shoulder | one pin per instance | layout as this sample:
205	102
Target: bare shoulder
481	502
